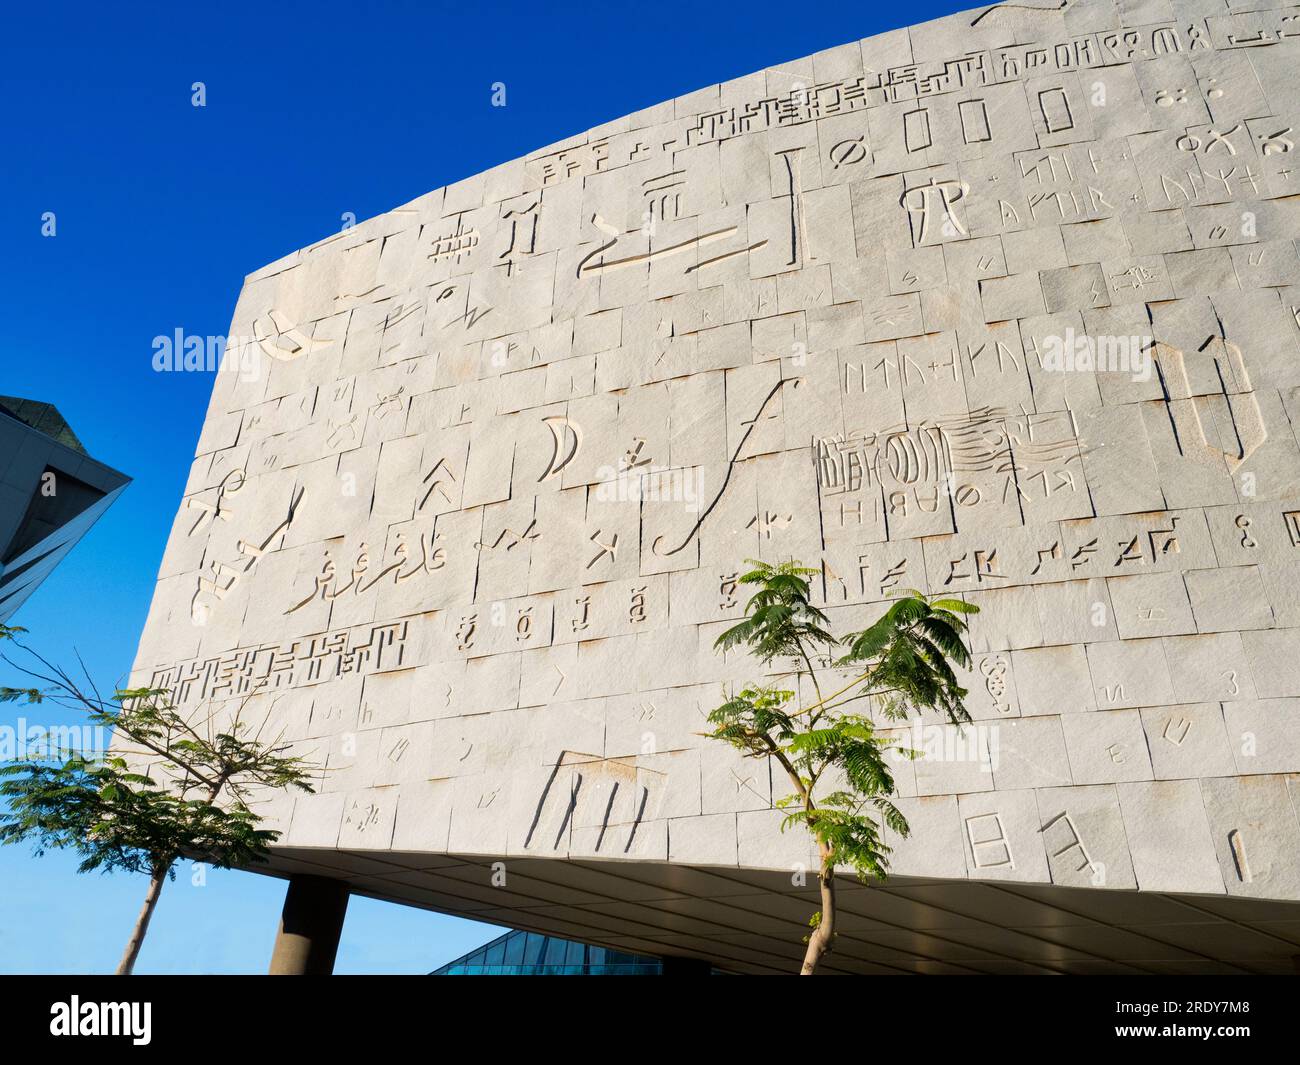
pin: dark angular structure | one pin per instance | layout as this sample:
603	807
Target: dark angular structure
51	493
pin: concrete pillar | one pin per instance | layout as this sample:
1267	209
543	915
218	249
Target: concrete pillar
310	926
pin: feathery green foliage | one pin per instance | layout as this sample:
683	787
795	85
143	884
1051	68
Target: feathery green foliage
169	787
834	757
780	621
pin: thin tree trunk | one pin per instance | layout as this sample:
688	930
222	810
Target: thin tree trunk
133	945
820	940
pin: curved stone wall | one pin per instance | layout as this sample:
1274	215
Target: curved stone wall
1003	305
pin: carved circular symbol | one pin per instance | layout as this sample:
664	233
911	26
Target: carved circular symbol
848	153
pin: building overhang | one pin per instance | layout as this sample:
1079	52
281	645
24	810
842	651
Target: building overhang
752	921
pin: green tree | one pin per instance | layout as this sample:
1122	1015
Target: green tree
168	788
828	744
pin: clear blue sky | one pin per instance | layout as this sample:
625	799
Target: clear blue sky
312	110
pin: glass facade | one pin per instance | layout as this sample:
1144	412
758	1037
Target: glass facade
529	954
